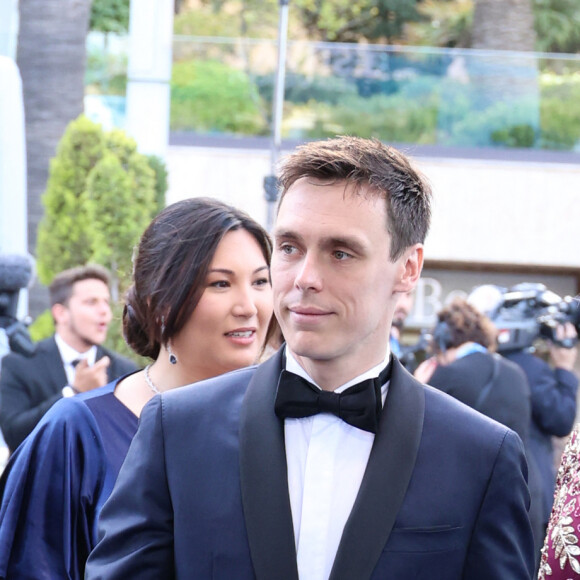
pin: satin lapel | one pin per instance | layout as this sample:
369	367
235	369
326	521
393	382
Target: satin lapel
264	478
385	480
55	374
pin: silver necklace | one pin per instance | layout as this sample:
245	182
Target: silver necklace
149	381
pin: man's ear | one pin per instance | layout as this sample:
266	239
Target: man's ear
411	265
59	312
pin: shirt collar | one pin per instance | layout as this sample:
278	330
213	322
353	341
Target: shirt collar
293	366
68	354
469	348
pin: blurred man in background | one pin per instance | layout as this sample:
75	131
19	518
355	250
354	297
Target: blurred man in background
402	310
70	362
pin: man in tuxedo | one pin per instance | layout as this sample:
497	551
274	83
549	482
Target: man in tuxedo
70	362
328	460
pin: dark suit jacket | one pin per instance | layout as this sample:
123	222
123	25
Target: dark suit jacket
553	414
508	402
203	492
29	386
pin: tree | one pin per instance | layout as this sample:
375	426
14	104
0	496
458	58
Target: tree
100	197
557	25
506	81
446	23
505	25
110	16
347	21
51	57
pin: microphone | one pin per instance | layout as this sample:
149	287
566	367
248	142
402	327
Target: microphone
15	272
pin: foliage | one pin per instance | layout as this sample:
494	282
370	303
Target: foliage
110	16
445	23
211	96
389	118
473	127
557	24
347	21
115	340
247	18
65	234
106	72
99	198
300	88
42	327
523	135
161	185
203	21
560	112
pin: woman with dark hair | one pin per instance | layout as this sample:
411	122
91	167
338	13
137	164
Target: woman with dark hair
200	305
464	366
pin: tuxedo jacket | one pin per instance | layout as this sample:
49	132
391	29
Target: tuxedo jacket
508	401
29	386
203	492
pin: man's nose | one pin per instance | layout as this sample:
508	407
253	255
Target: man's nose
308	276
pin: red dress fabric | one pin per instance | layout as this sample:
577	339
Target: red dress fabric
561	551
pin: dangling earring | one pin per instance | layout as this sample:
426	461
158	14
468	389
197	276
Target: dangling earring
172	357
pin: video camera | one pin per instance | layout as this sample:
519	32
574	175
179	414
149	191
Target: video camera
528	312
15	273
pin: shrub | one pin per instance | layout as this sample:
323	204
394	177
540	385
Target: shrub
389	118
42	327
100	196
560	112
211	96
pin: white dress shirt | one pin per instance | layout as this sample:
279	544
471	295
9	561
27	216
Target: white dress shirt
326	460
68	355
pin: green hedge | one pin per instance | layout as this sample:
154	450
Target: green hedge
209	96
213	97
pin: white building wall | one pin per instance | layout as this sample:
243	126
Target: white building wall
504	212
497	212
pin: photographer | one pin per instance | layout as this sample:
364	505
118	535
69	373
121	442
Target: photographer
525	314
553	389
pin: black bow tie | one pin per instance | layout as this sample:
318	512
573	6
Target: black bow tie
359	405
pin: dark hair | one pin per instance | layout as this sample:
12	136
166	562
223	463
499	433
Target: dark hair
466	324
61	287
171	265
373	168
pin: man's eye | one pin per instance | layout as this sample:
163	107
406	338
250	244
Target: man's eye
340	255
288	249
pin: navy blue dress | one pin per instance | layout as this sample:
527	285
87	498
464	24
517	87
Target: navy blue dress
56	482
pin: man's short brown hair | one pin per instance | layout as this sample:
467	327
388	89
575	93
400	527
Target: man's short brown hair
61	287
373	168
